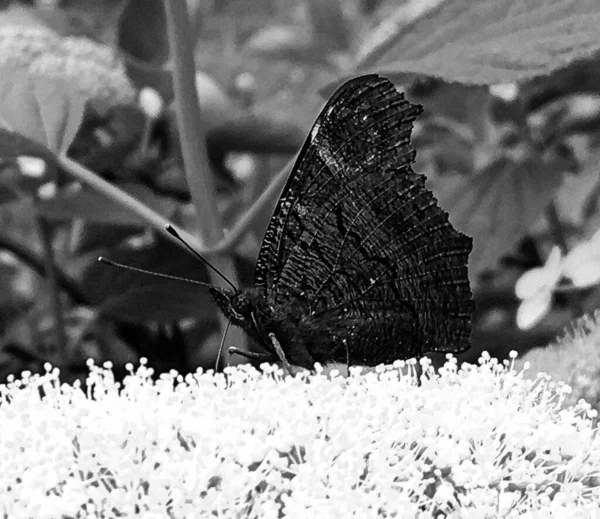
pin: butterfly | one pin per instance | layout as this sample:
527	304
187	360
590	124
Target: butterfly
359	264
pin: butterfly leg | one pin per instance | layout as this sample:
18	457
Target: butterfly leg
250	354
276	346
281	354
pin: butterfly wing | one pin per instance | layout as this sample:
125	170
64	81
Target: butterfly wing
357	245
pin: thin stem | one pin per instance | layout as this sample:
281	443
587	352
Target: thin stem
159	222
32	260
273	190
556	227
45	230
193	143
154	219
191	130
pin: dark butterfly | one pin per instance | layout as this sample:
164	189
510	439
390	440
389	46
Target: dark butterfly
359	264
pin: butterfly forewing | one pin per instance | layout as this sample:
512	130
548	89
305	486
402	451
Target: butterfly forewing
358	252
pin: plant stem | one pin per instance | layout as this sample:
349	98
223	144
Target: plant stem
158	222
45	230
154	219
556	228
193	141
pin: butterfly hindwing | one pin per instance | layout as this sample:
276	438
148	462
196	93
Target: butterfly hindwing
357	246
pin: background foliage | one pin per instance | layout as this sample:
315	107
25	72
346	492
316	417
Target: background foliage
509	142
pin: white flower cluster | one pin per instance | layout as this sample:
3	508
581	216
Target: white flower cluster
475	442
94	70
574	359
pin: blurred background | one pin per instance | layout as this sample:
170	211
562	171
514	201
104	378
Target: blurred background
512	158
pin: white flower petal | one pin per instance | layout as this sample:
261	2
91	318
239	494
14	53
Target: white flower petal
579	255
532	310
541	278
530	283
553	265
586	274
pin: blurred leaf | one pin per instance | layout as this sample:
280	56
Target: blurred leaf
531	311
92	237
331	25
541	279
92	18
286	42
498	206
143	31
142	38
12	180
46	111
92	206
264	132
13	145
581	76
578	191
483	42
25	17
135	297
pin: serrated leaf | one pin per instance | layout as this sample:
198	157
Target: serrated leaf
47	112
498	206
485	41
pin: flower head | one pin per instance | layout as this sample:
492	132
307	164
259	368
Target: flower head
474	441
94	69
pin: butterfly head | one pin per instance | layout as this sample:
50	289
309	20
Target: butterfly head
237	306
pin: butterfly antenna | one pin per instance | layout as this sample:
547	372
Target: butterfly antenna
112	263
221	346
171	230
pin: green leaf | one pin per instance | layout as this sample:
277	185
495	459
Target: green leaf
483	41
48	112
37	119
498	206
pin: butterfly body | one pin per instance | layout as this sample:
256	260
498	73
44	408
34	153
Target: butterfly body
359	264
